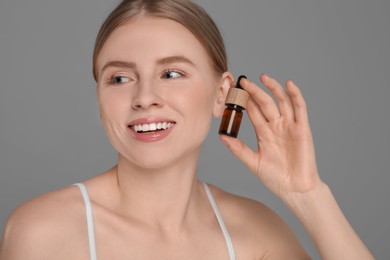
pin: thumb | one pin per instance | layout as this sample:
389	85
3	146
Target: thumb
240	150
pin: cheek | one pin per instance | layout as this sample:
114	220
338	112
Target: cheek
199	102
112	104
199	106
112	107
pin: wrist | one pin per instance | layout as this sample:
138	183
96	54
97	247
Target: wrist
310	203
308	192
322	217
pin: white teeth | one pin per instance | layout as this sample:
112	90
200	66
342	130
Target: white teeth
145	127
152	126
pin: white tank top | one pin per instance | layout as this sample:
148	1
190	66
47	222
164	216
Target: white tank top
91	231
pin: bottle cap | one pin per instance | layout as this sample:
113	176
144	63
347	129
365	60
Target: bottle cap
237	95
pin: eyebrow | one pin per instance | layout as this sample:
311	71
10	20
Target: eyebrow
162	61
119	64
175	59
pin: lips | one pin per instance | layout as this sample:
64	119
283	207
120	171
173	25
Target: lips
151	129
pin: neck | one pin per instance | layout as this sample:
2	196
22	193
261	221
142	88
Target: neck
162	197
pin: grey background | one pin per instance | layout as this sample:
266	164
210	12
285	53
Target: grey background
336	51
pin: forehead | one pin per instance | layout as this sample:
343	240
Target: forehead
149	38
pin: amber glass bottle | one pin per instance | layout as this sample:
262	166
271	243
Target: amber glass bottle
236	101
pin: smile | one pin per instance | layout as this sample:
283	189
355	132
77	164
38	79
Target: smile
151	127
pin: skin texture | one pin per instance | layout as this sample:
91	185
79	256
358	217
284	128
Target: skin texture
152	199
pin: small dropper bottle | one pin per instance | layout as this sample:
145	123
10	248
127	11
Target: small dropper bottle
236	101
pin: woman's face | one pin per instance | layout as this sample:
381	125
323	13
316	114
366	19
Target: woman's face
157	91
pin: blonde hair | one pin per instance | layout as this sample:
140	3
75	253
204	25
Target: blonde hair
185	12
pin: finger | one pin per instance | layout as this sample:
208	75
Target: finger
241	151
300	108
257	118
254	112
284	100
255	115
262	99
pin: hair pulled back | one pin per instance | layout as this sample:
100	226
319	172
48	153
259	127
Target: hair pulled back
185	12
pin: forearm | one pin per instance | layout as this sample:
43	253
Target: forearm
331	232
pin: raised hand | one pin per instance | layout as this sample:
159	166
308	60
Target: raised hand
285	158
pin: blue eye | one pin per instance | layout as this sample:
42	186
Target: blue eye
119	79
170	74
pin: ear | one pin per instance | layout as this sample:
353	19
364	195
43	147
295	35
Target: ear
223	88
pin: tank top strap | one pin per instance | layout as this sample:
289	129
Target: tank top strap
91	232
88	210
222	225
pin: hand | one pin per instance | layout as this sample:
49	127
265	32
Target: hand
285	158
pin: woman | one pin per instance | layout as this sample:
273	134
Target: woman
162	75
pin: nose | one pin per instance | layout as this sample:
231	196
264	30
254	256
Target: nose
146	96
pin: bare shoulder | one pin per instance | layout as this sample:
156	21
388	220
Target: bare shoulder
43	224
256	228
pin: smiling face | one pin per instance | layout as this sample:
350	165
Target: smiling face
157	91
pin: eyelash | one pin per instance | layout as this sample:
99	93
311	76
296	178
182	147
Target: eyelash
111	80
181	74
